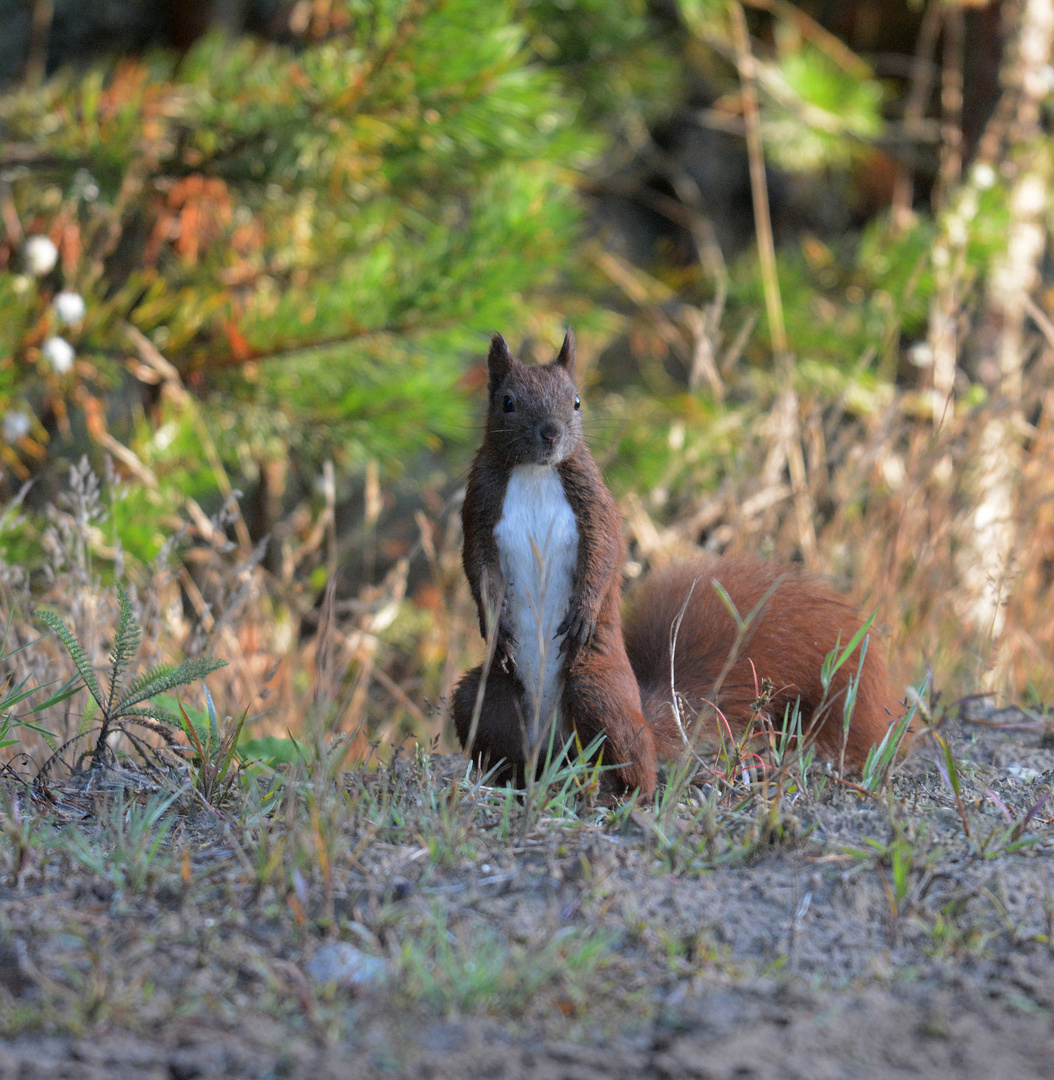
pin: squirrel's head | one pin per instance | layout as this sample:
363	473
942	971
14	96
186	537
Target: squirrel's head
534	416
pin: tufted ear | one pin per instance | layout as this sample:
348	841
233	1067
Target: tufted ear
499	361
566	359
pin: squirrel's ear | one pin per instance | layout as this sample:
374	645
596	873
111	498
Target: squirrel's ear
566	359
499	360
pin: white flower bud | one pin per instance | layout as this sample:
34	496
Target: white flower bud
69	306
15	426
41	255
84	184
984	175
59	354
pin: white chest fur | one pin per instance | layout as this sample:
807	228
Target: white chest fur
537	539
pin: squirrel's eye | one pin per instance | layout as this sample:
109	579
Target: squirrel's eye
578	402
509	404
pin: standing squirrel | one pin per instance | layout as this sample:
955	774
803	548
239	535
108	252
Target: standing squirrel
543	553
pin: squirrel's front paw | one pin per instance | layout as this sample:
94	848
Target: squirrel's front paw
577	630
505	650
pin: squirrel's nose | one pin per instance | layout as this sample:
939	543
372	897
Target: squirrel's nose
549	432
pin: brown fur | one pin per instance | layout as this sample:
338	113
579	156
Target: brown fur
600	692
799	622
617	675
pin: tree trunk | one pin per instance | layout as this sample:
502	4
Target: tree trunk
989	558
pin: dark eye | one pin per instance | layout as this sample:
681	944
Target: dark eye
509	404
578	402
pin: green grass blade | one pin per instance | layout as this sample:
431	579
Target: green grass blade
69	688
836	659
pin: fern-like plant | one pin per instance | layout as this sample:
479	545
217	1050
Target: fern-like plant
120	705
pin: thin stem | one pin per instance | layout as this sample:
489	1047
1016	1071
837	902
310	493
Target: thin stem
915	110
951	104
787	416
759	188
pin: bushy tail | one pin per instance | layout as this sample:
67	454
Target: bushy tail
727	674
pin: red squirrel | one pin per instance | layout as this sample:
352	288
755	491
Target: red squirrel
543	552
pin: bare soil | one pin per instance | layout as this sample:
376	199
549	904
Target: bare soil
823	934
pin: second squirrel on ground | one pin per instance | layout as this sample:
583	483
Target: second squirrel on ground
543	552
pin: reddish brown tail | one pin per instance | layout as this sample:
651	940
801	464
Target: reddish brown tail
797	621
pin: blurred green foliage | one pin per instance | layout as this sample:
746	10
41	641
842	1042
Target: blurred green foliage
291	255
616	59
317	239
820	113
294	253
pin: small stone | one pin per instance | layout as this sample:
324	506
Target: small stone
339	962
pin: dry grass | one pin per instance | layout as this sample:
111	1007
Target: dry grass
397	913
895	497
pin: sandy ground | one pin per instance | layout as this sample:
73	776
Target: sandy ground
875	938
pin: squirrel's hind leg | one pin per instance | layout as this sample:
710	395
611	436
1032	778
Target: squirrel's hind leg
499	736
604	700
